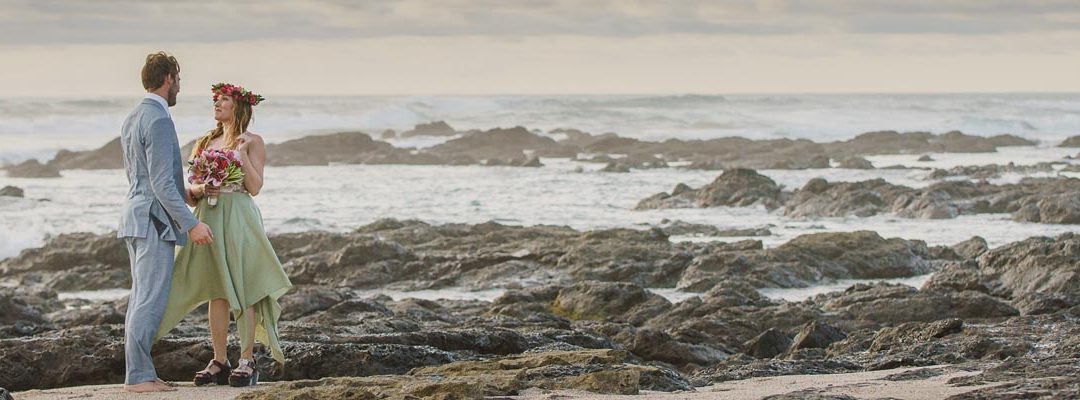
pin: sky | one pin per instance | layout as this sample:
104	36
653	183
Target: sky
480	47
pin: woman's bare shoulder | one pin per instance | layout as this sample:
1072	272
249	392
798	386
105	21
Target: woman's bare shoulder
253	137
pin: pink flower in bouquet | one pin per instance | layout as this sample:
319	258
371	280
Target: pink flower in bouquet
216	168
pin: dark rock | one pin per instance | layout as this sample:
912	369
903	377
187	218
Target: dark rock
608	301
819	198
606	371
673	228
990	171
971	248
1063	208
1010	141
502	145
437	128
892	142
817	334
344	147
1035	265
856	163
32	169
745	367
75	261
734	188
925	158
887	304
768	344
11	191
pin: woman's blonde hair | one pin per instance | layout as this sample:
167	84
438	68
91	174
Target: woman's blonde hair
242	117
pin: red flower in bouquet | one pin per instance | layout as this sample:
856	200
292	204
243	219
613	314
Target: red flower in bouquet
216	168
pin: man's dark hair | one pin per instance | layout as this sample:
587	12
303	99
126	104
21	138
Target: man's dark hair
158	66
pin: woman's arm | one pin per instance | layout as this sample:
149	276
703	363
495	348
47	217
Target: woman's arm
253	156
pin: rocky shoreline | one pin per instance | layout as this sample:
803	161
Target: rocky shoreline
518	146
578	312
1041	200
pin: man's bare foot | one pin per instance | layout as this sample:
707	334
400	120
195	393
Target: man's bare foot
148	387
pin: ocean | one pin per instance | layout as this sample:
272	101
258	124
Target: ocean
564	192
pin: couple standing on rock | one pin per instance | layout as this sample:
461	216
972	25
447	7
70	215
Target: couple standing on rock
232	265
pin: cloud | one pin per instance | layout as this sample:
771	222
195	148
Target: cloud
216	21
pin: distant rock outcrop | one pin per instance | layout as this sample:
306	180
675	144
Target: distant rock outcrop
109	156
32	169
437	128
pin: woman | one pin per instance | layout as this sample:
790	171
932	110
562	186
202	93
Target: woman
239	272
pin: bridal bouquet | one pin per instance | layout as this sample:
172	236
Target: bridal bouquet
216	168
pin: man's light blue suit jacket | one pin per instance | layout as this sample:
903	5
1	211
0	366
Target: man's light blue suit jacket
156	176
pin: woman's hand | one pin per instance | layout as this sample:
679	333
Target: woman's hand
243	146
203	190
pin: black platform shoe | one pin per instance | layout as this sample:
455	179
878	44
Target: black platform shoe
205	377
242	378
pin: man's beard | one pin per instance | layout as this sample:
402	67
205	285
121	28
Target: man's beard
172	97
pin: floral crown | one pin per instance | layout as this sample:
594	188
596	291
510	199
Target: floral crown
238	93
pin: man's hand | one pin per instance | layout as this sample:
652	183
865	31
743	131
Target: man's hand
201	234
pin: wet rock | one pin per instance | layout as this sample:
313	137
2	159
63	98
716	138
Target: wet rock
109	156
1035	265
809	259
768	344
745	367
1063	208
11	191
855	163
892	142
817	334
971	248
306	300
75	261
882	304
847	255
990	171
1010	141
437	128
343	147
599	371
84	313
734	188
1049	200
503	145
677	227
925	158
24	311
819	198
608	301
32	169
657	345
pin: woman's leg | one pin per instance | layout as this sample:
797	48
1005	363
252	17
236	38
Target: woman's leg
248	337
219	329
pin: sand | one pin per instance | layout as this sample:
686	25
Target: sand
858	385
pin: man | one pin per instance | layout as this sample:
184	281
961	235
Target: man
155	219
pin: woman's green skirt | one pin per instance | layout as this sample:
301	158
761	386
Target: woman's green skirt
239	266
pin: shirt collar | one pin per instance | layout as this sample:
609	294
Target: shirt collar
160	100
